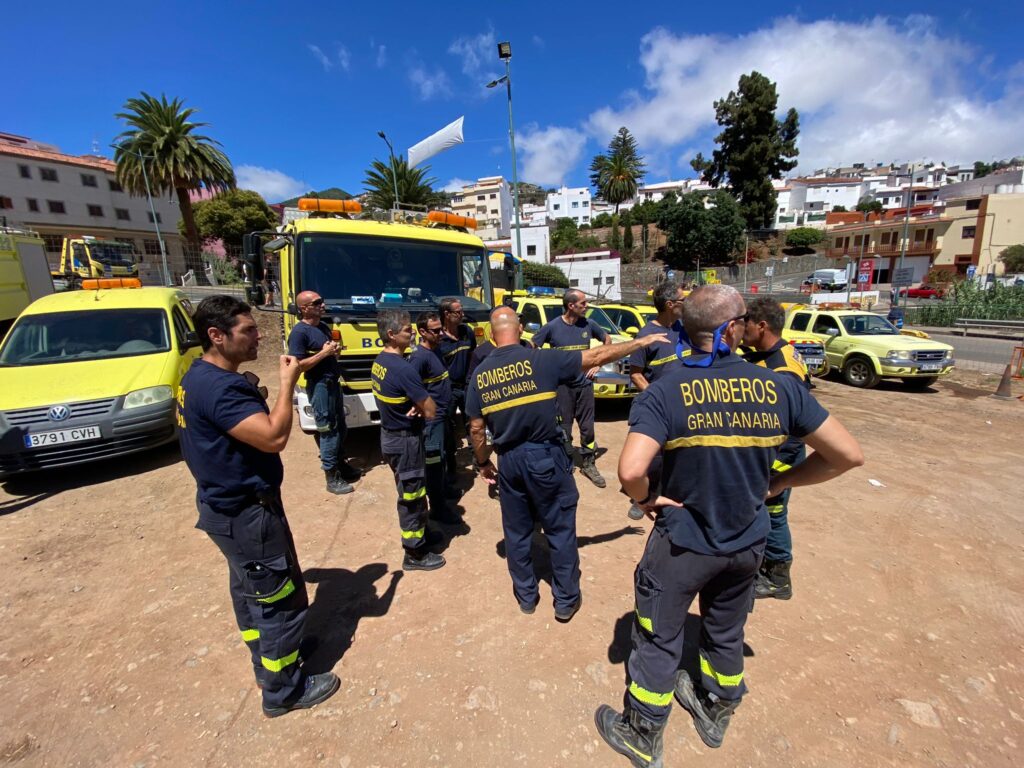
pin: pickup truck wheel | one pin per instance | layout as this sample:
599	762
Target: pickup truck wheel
858	372
919	383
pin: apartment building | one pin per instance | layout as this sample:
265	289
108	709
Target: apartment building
56	194
489	201
570	203
596	273
536	242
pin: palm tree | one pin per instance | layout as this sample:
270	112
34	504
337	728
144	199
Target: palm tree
414	188
615	174
161	136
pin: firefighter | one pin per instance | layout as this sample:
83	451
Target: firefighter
457	345
311	343
231	443
572	331
763	345
720	422
404	405
513	393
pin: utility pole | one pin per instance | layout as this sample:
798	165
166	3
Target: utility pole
394	166
152	210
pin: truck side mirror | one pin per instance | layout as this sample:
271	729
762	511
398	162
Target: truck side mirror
832	332
252	252
531	327
631	331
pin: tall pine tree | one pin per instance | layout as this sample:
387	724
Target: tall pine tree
616	174
753	147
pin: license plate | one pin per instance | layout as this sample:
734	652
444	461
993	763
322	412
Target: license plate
931	366
814	362
60	436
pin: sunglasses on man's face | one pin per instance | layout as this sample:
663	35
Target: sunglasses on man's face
431	330
316	303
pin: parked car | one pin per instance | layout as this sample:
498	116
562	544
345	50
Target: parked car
923	291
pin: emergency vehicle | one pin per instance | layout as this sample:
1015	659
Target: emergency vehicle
93	373
84	257
24	273
363	263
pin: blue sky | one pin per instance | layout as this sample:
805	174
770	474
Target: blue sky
296	93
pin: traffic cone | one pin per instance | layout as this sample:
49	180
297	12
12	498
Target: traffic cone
1003	390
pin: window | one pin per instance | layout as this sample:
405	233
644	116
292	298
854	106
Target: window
158	219
6	202
115	186
481	197
531	250
88	180
968	233
181	326
33	204
457	199
55	206
531	314
800	321
47	174
973	205
610	280
151	247
597	280
95	210
885	238
493	195
25	171
586	218
494	210
53	243
586	203
824	324
556	206
575	204
122	214
574	283
782	209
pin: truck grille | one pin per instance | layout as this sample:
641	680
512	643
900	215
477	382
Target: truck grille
356	368
24	417
929	355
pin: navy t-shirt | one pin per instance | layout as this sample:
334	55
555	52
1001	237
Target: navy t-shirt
783	359
306	340
570	338
228	472
397	388
456	353
485	349
514	390
432	373
721	428
660	358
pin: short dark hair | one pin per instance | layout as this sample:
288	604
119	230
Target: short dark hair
767	309
392	320
447	304
571	296
220	312
426	317
664	293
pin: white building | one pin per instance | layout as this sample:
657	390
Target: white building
536	243
489	201
531	215
570	203
596	273
57	195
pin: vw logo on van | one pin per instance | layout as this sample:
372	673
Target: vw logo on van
59	413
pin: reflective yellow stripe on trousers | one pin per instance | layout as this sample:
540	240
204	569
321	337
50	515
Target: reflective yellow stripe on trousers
726	681
281	594
417	534
650	697
249	635
413	495
276	665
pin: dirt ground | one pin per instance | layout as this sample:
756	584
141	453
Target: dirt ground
902	645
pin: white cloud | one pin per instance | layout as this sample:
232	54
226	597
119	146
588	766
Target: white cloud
538	41
320	56
456	184
478	54
880	90
549	154
430	84
344	57
273	185
382	55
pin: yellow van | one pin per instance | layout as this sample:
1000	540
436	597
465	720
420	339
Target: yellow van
90	374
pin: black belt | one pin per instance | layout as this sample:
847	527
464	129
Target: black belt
404	432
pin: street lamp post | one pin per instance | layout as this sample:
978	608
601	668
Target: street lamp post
505	53
394	166
152	210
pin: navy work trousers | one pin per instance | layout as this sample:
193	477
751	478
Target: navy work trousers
780	541
577	404
434	435
267	591
402	449
329	413
536	484
458	402
667	580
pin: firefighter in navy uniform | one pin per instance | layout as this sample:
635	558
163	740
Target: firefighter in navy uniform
572	331
720	422
647	365
457	344
404	404
763	345
513	393
230	440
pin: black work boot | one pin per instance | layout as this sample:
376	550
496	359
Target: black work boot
347	472
773	580
710	714
318	688
421	560
589	471
335	484
632	735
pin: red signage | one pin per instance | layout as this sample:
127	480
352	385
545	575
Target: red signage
867	268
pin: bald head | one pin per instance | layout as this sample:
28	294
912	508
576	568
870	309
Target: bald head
305	297
309	311
505	327
708	307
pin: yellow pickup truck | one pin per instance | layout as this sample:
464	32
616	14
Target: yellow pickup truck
867	348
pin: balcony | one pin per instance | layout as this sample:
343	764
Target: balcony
928	248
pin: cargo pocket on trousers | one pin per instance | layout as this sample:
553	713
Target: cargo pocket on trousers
268	581
648	599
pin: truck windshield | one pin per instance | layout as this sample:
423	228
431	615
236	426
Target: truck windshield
367	273
64	337
112	254
868	325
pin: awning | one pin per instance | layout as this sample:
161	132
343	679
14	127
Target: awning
498	258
